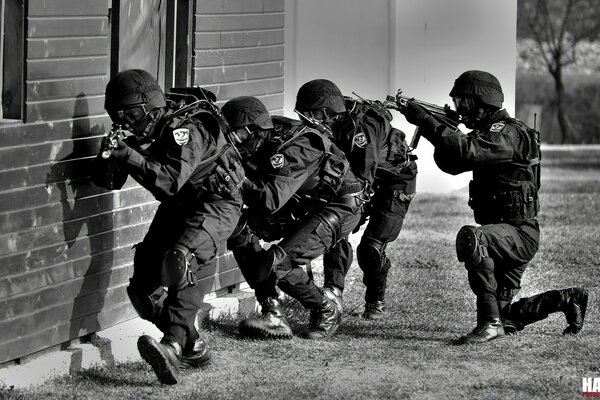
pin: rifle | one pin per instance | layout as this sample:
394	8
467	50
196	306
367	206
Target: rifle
110	142
444	114
316	124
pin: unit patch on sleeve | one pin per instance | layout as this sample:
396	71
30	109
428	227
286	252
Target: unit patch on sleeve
181	136
277	160
497	127
360	139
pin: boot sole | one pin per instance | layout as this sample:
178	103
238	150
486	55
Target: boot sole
251	332
153	355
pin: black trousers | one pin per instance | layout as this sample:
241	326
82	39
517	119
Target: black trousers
203	230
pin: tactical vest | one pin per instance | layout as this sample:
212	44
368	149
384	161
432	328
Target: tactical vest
508	191
394	153
333	165
222	173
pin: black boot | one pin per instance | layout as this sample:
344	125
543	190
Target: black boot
375	293
198	356
374	310
484	332
335	295
163	357
270	325
324	321
573	302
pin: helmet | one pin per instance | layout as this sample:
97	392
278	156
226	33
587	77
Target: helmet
319	94
133	87
246	110
481	85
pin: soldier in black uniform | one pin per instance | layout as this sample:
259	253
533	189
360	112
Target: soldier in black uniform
379	155
503	154
299	189
179	153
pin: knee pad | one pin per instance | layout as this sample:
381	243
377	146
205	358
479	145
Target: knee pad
371	254
332	220
147	306
175	267
469	248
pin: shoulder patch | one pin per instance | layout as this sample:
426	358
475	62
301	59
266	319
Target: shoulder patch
181	136
360	139
497	127
277	160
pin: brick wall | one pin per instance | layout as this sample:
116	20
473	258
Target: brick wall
65	245
238	49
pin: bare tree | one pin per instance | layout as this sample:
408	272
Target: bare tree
557	27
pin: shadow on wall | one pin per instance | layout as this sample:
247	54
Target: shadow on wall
89	251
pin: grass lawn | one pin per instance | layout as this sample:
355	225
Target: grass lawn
409	355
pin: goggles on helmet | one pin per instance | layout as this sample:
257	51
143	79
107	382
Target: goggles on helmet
241	134
463	104
130	115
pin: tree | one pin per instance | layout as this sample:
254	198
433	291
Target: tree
557	27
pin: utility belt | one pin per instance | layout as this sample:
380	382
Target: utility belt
354	196
513	206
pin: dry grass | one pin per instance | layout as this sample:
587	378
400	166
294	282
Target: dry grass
409	355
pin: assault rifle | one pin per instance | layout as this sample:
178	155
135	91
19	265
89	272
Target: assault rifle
110	142
316	124
444	114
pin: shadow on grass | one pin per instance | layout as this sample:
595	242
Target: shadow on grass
129	374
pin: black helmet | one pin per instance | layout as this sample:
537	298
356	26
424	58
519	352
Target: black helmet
480	85
246	110
133	87
319	94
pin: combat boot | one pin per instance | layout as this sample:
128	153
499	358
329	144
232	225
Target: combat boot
335	295
484	332
374	310
163	357
198	356
324	321
272	324
573	303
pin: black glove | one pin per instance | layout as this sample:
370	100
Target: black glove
414	113
121	150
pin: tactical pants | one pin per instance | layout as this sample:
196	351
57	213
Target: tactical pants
509	250
247	251
312	238
203	230
386	217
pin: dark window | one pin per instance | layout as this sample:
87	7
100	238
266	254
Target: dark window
12	58
152	35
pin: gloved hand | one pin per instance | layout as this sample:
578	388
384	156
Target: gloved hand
414	113
120	150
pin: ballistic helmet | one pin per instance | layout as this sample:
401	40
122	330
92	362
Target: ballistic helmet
246	110
481	85
320	94
133	87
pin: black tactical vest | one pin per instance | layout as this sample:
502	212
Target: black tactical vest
508	191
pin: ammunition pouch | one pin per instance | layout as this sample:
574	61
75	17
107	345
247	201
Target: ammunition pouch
334	168
517	204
